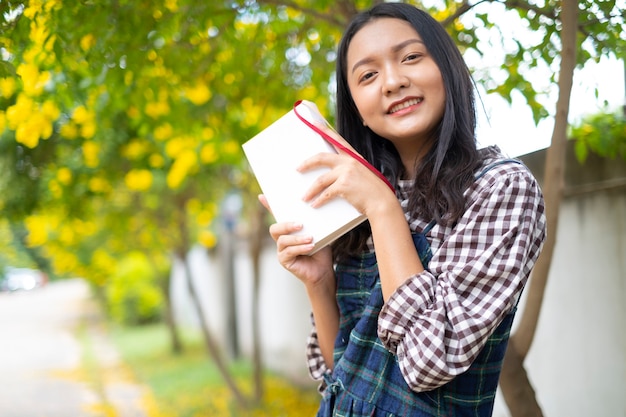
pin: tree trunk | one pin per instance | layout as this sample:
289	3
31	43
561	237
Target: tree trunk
172	327
209	341
226	248
258	233
516	388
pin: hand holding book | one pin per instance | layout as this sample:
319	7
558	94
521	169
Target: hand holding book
275	155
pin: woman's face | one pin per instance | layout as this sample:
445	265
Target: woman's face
395	84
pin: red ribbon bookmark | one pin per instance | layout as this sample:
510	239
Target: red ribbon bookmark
342	147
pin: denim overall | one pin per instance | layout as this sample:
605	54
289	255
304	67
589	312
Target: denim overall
366	379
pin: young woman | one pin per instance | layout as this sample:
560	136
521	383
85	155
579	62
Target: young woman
412	310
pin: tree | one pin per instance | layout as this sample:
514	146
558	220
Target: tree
603	133
515	384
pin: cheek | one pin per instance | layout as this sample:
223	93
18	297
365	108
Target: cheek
439	92
363	103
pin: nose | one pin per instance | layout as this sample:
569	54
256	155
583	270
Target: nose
394	80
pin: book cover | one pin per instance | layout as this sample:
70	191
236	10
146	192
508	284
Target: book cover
274	155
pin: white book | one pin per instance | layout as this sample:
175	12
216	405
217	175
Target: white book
274	155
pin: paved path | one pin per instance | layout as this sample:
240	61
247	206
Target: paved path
40	358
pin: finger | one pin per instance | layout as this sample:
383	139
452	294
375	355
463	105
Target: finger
320	185
286	228
264	202
320	160
290	246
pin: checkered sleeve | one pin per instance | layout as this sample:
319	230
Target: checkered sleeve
438	320
315	360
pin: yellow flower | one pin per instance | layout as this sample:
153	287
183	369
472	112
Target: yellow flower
156	161
69	131
3	121
205	217
177	145
27	134
34	7
135	149
65	262
81	115
194	206
32	79
251	111
163	132
152	55
231	147
133	112
7	87
208	134
37	227
157	109
88	130
225	55
171	5
208	154
90	154
128	77
67	235
102	260
64	175
138	179
20	111
309	93
198	94
50	110
184	164
38	31
55	188
99	185
293	14
207	238
87	42
36	127
48	47
229	78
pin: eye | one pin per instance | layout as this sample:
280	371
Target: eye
412	57
368	75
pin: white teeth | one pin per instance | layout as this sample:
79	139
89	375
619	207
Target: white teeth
404	105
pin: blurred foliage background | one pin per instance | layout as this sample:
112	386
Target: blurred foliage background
121	122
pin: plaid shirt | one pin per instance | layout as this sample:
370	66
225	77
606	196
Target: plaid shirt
438	320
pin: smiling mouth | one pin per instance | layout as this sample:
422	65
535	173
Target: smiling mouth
405	104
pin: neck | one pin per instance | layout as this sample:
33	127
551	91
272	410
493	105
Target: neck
411	157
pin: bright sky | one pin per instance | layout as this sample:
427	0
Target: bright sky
512	127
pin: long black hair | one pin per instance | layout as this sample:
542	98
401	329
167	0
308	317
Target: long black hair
444	173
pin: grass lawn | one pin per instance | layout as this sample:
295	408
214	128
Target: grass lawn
189	385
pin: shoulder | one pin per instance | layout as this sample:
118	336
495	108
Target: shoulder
498	167
503	176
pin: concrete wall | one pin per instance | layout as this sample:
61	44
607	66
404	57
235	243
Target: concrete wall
577	363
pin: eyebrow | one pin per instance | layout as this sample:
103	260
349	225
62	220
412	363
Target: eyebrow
395	48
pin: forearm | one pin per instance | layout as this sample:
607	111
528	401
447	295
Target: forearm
326	317
395	251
